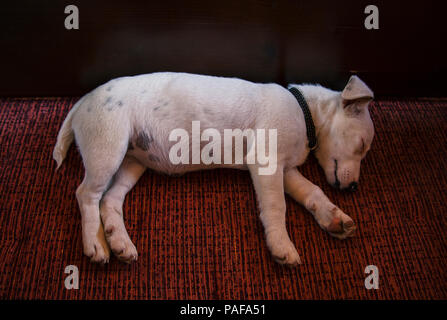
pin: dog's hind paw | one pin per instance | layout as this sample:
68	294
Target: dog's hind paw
96	248
120	243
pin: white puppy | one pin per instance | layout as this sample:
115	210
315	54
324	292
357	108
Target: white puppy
123	127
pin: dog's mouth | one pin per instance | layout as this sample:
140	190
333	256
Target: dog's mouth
337	182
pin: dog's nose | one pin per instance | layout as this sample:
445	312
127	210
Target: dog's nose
353	186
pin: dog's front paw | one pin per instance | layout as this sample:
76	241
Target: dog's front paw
337	223
282	249
95	246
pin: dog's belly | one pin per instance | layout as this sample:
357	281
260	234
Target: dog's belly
160	162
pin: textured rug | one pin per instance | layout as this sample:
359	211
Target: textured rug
199	236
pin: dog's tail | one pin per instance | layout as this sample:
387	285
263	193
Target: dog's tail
65	136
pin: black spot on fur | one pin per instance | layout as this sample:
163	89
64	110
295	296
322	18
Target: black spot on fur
143	141
208	110
160	104
354	109
109	88
153	158
120	103
108	100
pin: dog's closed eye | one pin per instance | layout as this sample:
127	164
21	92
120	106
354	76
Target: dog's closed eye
361	148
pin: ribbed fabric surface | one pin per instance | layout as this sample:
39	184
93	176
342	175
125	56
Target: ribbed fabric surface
199	236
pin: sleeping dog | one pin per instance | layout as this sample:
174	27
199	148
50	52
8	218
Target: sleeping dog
126	126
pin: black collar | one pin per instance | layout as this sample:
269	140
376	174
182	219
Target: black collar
310	127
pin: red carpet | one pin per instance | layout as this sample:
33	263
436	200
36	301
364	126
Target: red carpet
199	237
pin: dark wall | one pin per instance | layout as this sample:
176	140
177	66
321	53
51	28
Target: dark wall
269	41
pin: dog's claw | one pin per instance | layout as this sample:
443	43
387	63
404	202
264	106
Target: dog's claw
348	230
122	246
283	250
337	223
97	253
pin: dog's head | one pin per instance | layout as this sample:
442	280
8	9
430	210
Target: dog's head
344	140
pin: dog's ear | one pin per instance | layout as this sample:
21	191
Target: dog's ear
356	96
356	89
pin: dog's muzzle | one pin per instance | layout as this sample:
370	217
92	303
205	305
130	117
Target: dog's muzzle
352	186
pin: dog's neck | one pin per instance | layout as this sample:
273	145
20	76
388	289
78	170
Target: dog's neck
318	99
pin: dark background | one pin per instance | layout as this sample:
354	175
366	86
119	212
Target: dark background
267	41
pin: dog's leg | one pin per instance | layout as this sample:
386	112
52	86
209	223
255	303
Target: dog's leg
102	149
98	174
328	216
270	194
112	209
